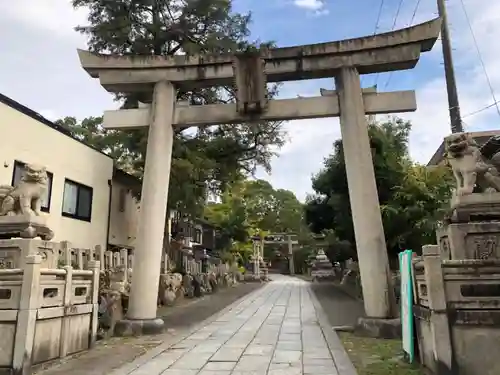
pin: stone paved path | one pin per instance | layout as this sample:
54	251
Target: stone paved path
279	329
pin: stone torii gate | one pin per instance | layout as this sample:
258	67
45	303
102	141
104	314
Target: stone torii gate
344	60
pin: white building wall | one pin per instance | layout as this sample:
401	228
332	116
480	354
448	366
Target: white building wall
30	141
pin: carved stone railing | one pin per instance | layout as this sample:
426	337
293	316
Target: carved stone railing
124	259
46	313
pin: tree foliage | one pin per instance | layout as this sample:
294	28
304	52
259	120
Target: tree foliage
205	158
254	207
411	196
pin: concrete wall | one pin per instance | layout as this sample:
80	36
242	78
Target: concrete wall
30	141
124	213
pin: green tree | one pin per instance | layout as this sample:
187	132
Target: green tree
205	158
254	207
269	209
411	196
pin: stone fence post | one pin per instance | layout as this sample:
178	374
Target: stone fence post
434	281
95	267
68	291
26	319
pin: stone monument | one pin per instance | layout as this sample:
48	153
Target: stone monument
21	221
457	282
322	268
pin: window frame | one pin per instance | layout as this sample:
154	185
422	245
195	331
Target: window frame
79	187
50	175
197	235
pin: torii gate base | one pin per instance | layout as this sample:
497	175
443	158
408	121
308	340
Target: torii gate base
344	60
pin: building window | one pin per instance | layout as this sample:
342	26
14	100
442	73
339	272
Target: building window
197	236
19	169
77	201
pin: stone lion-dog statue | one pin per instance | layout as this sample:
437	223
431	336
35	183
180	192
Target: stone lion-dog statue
473	172
26	197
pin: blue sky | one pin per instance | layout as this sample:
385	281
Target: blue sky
40	69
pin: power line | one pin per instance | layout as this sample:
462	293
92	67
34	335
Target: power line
378	16
392	29
495	104
465	125
397	14
381	7
415	10
492	91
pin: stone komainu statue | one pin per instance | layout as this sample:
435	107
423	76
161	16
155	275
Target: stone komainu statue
26	197
476	169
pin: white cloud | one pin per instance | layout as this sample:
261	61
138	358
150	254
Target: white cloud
56	16
310	4
49	114
318	7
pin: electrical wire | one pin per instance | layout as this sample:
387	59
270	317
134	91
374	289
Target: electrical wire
392	29
415	10
495	104
397	14
492	91
381	7
378	17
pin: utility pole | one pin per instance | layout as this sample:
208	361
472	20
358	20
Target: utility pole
449	71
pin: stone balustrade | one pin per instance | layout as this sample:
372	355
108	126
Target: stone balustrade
46	313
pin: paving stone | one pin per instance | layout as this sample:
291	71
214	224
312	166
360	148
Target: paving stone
289	345
276	332
320	370
225	354
289	337
291	329
217	372
319	354
285	369
207	347
253	363
215	366
287	356
255	349
318	361
191	361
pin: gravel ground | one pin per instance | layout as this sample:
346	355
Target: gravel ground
115	352
341	308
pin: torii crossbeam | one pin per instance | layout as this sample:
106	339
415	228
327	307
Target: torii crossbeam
157	78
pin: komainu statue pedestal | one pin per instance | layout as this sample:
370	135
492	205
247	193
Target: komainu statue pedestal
473	228
13	252
25	226
457	282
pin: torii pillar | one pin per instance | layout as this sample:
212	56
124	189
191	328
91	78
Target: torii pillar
363	197
141	314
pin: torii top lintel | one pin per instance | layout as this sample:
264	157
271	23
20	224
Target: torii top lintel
396	50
